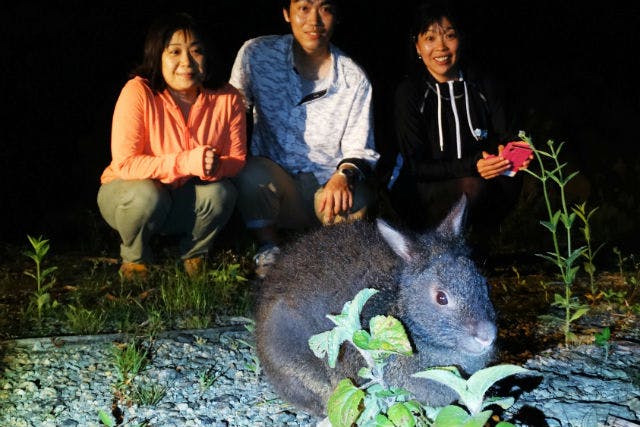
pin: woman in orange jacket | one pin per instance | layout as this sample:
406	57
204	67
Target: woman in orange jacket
177	137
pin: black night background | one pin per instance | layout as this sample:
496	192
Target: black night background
571	68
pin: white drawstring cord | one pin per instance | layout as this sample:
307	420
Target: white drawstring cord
455	115
475	134
440	118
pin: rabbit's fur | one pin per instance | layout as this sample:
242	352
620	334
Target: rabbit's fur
427	282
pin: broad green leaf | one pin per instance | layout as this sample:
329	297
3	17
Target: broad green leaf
370	412
328	343
347	323
445	375
105	418
602	338
390	331
350	315
452	416
382	421
504	424
478	420
362	339
481	381
343	404
414	406
387	334
400	415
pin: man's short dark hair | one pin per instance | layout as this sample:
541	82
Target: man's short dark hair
286	3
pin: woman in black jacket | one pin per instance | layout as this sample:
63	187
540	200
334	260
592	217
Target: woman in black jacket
448	120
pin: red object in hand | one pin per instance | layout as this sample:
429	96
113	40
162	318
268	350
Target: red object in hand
516	152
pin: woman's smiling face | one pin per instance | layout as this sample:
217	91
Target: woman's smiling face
183	62
439	48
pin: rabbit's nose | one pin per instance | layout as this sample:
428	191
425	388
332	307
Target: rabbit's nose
485	333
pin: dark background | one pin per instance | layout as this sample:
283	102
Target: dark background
571	69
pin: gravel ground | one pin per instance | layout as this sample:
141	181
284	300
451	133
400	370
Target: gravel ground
67	381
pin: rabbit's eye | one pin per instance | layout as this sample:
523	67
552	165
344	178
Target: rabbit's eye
441	298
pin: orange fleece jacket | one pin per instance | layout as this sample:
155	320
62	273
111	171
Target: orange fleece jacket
150	138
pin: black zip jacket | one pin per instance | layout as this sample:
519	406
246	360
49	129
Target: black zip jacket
439	140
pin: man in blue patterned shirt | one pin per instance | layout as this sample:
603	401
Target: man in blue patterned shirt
312	143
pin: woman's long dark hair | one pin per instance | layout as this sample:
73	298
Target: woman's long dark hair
158	38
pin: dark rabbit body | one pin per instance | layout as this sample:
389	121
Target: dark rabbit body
428	282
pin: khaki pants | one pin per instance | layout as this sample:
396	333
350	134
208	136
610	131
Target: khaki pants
139	209
269	195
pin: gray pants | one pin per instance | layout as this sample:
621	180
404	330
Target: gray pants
269	195
139	209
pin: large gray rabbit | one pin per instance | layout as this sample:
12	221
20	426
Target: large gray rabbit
427	282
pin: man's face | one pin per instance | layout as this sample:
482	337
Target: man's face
312	23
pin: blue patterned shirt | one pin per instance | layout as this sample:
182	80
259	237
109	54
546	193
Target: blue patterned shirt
304	132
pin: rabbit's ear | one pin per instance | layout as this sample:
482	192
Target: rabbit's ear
453	224
399	243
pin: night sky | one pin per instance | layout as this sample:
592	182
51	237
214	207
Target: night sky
571	70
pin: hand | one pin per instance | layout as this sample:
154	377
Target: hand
210	161
336	197
490	166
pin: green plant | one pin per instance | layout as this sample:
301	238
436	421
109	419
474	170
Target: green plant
81	320
621	261
196	321
375	403
254	365
41	298
471	392
630	278
560	222
109	421
181	294
613	296
603	339
129	359
148	394
154	323
207	378
589	253
193	300
519	280
106	419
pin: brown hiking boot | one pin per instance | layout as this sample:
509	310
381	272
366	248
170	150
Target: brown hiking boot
133	271
194	266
